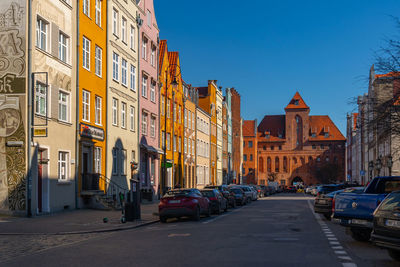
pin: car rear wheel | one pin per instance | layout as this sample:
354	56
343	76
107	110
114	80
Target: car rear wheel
196	215
163	219
219	209
394	254
208	213
360	235
234	204
327	216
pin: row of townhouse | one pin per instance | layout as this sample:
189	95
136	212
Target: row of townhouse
90	102
373	142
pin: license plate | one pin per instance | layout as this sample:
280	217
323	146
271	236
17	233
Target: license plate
392	223
356	221
174	201
322	201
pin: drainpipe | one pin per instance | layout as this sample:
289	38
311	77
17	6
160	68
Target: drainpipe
138	99
77	104
106	106
29	119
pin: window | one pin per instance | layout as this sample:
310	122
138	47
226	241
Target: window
41	34
115	111
115	66
86	53
163	138
162	106
123	30
251	157
97	159
174	143
250	144
148	15
85	105
97	110
280	147
98	12
115	161
244	143
97	61
153	127
63	166
144	123
63	100
123	115
86	7
186	117
314	146
153	92
144	86
168	108
193	121
272	147
180	144
133	155
115	22
189	119
132	118
168	141
133	78
185	145
322	146
123	162
153	56
144	48
244	157
193	147
179	114
132	37
63	41
174	112
124	70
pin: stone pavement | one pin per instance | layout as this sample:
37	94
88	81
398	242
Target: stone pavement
75	222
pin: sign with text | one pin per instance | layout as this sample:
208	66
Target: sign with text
40	132
91	132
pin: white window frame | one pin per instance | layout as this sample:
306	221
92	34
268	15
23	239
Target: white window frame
86	53
124	72
174	145
153	126
97	110
115	112
144	48
133	78
42	28
115	67
63	47
115	22
85	104
153	92
193	121
186	118
86	7
144	123
39	97
123	115
65	104
132	37
123	29
65	162
144	86
148	16
153	57
132	118
98	12
98	61
97	159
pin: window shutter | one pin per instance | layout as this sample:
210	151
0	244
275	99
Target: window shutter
55	32
54	101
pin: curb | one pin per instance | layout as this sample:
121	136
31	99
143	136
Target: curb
115	229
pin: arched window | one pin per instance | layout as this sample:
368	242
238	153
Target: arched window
310	159
302	160
276	164
285	163
299	131
269	164
261	164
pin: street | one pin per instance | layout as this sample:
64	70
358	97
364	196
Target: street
280	230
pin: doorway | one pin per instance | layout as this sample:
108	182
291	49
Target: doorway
86	167
43	182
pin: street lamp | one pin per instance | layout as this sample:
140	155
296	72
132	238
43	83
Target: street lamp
378	165
389	163
174	85
370	168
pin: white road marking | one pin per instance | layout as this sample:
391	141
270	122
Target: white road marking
332	238
347	258
337	247
334	243
342	252
178	235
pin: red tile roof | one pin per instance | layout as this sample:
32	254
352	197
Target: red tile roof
390	74
272	126
249	128
163	46
297	102
321	125
173	60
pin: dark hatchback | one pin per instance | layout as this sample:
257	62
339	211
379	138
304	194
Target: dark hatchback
386	225
217	200
323	202
226	192
240	196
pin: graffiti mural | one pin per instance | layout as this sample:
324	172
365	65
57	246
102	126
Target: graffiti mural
12	104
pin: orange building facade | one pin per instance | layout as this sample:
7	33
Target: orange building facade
294	148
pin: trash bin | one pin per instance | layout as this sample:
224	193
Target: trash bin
129	211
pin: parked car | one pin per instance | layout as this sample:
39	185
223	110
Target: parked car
240	196
356	210
259	190
217	201
309	189
254	195
247	192
290	189
229	195
386	225
323	202
326	189
183	202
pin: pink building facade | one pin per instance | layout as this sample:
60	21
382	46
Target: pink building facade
149	101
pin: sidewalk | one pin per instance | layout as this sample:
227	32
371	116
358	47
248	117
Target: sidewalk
76	222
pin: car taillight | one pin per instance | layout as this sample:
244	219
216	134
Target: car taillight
212	198
333	205
164	200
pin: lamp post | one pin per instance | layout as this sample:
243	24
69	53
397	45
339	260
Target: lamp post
370	168
174	84
378	165
389	163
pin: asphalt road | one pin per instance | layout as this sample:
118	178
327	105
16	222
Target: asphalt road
279	231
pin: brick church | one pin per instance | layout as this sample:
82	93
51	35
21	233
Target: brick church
293	148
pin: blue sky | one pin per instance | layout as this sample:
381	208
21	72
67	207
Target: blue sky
271	49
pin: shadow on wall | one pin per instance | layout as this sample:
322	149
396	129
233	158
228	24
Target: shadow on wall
121	171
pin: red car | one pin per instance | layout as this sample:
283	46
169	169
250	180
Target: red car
183	202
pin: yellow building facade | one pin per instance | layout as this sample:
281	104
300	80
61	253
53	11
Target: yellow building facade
92	94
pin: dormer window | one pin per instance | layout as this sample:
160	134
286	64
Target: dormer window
296	102
313	135
326	135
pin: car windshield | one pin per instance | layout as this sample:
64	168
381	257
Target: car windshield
173	193
208	193
237	191
391	202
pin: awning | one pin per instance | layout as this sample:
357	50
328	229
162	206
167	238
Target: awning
152	149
